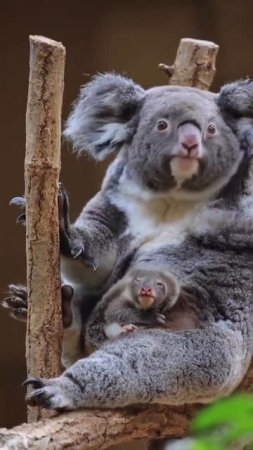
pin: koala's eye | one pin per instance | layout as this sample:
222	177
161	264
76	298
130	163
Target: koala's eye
159	283
162	125
211	129
137	280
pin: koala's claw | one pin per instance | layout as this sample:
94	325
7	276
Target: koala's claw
47	394
35	382
63	205
20	202
93	263
77	253
21	219
161	318
16	302
89	261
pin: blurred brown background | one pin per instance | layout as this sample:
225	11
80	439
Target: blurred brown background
127	36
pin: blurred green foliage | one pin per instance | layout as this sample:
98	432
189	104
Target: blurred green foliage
225	425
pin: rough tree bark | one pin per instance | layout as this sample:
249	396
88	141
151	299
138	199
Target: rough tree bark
194	64
42	168
96	429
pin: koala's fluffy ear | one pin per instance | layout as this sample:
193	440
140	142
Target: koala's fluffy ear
102	119
236	99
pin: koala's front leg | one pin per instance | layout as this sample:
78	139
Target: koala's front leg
73	242
92	238
150	366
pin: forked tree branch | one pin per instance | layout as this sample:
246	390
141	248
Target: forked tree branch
194	64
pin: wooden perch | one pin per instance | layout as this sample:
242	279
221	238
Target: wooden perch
194	64
42	168
87	429
99	429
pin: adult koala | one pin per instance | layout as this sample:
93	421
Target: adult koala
177	192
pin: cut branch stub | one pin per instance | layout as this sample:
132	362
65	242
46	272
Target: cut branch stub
42	168
194	64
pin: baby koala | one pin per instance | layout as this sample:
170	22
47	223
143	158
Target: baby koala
140	299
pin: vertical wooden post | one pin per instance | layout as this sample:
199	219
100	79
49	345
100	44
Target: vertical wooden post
194	64
42	168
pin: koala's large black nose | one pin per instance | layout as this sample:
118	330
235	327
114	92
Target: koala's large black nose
189	140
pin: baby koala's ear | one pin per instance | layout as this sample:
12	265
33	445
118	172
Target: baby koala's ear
236	99
102	119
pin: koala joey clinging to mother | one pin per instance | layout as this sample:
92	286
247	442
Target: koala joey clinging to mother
141	298
174	193
176	150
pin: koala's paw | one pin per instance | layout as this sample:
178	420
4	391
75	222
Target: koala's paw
20	202
161	318
72	240
129	328
16	302
48	394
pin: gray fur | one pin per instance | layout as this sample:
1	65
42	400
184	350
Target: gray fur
120	307
108	99
197	365
237	98
174	224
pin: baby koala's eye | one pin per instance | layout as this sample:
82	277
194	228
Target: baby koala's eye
159	283
137	280
162	124
211	129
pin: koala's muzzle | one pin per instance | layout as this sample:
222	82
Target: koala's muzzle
189	140
188	151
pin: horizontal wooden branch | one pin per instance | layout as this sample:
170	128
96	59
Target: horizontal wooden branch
99	429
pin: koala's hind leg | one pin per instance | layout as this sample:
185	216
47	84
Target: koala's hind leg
154	366
16	304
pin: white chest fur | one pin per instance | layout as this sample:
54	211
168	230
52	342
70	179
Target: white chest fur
154	221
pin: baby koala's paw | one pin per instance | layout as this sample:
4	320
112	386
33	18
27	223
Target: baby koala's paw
160	318
129	328
114	330
49	394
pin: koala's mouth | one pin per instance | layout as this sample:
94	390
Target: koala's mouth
146	301
183	168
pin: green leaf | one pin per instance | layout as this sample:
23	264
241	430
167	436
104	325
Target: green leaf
233	410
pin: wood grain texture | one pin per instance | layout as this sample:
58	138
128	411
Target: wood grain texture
42	168
194	64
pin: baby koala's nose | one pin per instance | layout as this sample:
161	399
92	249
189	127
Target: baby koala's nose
146	291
